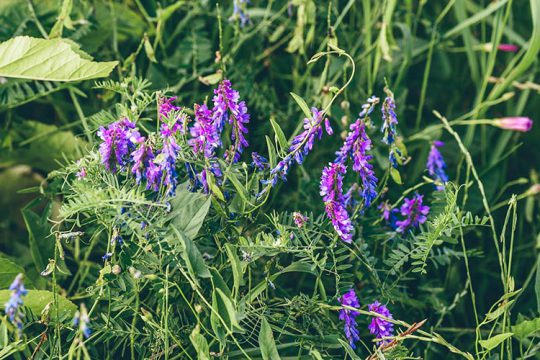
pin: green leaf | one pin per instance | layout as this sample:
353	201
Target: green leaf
537	284
52	60
394	173
37	300
302	104
238	276
189	210
266	342
280	136
494	341
8	271
40	239
223	318
62	20
149	50
192	256
526	328
200	344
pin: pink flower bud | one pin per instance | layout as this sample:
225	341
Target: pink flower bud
517	123
508	48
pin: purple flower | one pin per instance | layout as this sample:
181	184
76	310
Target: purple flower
166	106
12	307
301	145
259	162
414	211
81	174
436	165
357	145
204	138
107	256
508	48
144	167
299	219
349	316
332	194
82	320
227	107
239	12
389	118
379	327
118	139
517	123
166	159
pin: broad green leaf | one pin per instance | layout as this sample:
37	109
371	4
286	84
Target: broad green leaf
494	341
192	256
189	210
526	328
218	282
302	104
240	188
200	344
223	318
37	300
266	342
394	173
52	60
8	271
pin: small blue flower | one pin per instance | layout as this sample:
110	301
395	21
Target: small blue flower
12	307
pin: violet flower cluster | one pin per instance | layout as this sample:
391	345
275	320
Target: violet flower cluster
331	190
379	327
436	166
12	307
389	126
414	212
301	145
227	107
119	139
299	219
357	145
349	316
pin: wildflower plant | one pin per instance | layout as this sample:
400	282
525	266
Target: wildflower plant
220	217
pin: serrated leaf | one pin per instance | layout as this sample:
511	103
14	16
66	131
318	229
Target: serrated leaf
48	59
267	343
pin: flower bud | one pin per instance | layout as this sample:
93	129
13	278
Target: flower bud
517	123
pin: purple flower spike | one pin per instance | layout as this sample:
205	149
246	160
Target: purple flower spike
302	143
436	165
167	157
379	327
166	106
204	138
357	145
389	126
118	140
414	211
349	316
15	302
332	194
82	320
144	167
227	107
299	219
259	161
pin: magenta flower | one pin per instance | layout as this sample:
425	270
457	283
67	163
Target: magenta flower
259	162
144	166
332	194
436	165
516	123
379	327
508	48
204	138
166	106
349	316
414	212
